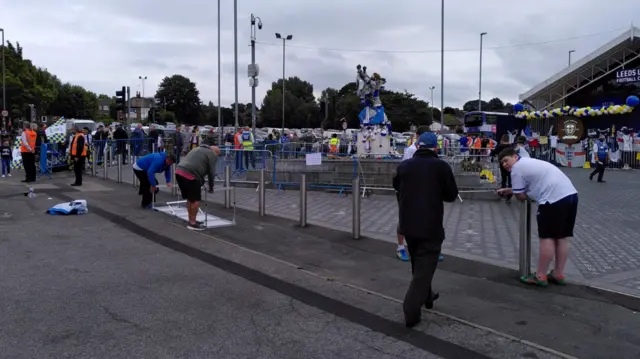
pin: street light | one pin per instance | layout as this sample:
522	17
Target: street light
4	76
284	41
570	52
236	110
442	63
142	79
219	81
431	89
480	82
253	69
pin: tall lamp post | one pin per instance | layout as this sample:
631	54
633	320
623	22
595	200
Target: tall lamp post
4	76
570	52
431	88
142	79
442	63
253	69
284	41
219	81
236	110
480	82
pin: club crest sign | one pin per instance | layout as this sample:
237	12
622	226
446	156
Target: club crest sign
571	130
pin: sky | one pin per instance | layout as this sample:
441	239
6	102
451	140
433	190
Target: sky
102	45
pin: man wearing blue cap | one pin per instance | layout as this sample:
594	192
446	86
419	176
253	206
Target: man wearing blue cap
423	183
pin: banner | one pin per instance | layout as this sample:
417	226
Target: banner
570	155
628	76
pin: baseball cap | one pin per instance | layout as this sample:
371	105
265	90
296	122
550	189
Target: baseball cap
428	140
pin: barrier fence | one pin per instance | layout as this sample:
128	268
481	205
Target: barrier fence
524	228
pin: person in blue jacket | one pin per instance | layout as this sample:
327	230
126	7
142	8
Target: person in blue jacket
146	168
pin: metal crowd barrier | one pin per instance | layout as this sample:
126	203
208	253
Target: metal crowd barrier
525	239
525	212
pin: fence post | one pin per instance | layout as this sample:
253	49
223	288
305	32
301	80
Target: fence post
105	163
134	158
303	200
94	160
261	194
355	216
525	239
119	159
227	185
174	188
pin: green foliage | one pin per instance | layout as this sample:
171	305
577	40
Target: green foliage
27	84
180	96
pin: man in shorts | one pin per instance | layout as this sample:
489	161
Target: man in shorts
557	210
199	163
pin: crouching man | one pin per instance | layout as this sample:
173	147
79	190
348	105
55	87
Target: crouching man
146	169
190	176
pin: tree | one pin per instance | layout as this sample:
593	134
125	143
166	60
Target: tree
472	105
495	104
180	96
27	84
297	112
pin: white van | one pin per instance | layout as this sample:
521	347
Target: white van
81	124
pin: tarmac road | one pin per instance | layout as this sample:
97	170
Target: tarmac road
121	283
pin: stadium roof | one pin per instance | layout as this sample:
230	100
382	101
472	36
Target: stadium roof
609	58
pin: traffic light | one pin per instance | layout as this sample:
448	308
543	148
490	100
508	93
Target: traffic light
121	99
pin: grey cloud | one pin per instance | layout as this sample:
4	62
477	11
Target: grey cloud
160	38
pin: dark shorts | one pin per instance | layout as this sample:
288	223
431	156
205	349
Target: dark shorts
190	189
556	220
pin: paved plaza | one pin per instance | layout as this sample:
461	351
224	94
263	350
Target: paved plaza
605	252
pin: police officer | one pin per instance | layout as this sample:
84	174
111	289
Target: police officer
247	146
600	156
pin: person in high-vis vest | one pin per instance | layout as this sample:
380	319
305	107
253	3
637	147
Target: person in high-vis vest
600	156
28	151
334	143
247	147
78	154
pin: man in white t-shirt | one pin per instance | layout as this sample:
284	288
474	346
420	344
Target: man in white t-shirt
557	200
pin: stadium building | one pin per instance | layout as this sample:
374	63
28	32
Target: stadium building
600	83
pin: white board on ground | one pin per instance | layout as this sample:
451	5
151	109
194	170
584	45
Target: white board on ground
209	220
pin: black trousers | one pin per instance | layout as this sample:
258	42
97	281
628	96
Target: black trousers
599	170
145	188
423	254
29	164
78	170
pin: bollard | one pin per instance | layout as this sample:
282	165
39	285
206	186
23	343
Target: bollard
227	185
303	201
174	188
94	163
261	194
355	216
119	159
135	179
525	239
105	163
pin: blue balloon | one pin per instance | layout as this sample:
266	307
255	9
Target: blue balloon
633	101
518	107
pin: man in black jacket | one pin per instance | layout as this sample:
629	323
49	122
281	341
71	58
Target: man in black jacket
423	183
